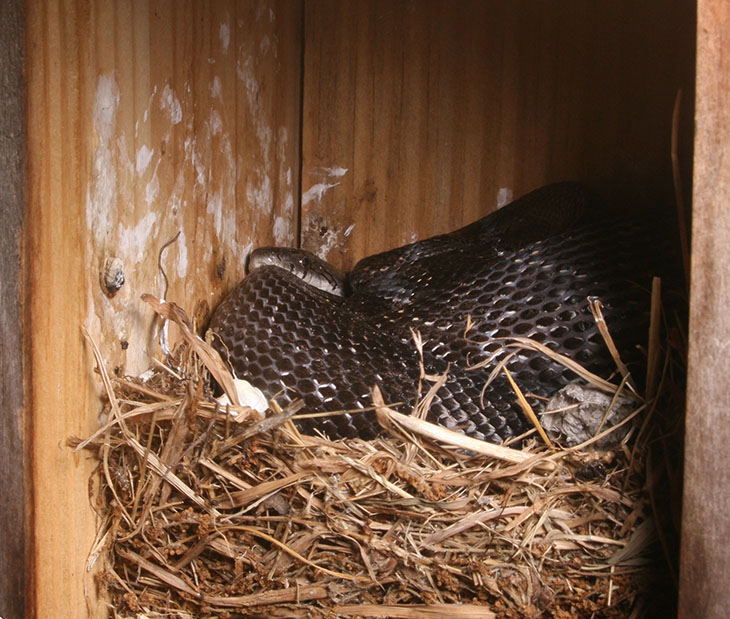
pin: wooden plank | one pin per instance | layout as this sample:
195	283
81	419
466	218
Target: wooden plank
705	560
12	461
423	115
145	119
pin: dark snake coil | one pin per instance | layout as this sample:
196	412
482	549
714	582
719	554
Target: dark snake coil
526	270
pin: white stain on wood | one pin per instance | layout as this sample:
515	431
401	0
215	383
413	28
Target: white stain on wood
171	104
214	208
101	195
139	196
143	158
316	192
259	194
282	230
125	165
504	196
133	242
333	171
246	74
152	189
181	266
216	89
216	122
224	34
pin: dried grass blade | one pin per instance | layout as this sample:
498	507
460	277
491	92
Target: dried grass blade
423	406
417	611
644	534
368	470
137	412
527	409
168	475
161	573
605	494
219	470
597	311
611	404
597	381
590	539
244	497
293	594
130	384
472	520
297	556
654	348
105	379
116	414
207	354
439	433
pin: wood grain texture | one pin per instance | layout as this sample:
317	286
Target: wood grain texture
145	119
12	461
148	118
439	111
705	560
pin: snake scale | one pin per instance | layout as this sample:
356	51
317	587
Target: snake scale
526	270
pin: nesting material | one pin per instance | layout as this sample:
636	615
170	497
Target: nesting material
217	511
578	412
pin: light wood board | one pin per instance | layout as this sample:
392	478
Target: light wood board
145	120
705	552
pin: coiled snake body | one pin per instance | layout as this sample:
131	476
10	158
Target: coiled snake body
526	270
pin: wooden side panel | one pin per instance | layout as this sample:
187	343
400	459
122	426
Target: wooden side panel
423	115
145	120
12	461
705	560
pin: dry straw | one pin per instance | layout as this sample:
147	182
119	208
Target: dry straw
205	511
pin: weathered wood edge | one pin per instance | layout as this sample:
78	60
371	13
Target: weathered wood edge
704	557
12	493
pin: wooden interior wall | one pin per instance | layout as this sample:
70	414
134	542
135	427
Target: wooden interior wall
705	552
12	487
145	119
423	115
149	118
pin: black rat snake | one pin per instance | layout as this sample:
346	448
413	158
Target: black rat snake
526	270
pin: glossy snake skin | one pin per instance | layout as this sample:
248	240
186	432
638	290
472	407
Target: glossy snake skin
526	270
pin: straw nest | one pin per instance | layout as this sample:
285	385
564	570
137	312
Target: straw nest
210	510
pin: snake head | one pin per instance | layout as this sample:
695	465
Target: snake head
303	264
